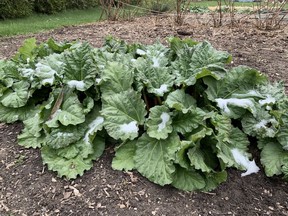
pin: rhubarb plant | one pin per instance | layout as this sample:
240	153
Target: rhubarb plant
177	114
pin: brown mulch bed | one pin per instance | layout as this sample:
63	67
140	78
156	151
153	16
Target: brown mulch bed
27	188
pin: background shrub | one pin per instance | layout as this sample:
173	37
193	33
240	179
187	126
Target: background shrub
81	4
159	6
50	6
15	8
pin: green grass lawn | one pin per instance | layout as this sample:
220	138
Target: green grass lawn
214	3
42	22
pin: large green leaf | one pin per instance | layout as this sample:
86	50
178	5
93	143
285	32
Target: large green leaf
282	137
116	78
11	73
177	45
198	157
263	125
222	125
10	115
31	136
80	68
70	112
233	151
63	136
235	108
282	133
199	61
154	158
214	179
93	127
273	157
185	123
159	122
239	80
74	159
123	112
17	96
152	71
180	101
155	55
199	133
70	168
25	52
188	180
124	156
48	68
181	155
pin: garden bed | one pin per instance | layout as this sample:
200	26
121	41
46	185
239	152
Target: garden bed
27	188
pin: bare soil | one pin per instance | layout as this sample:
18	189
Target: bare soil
27	188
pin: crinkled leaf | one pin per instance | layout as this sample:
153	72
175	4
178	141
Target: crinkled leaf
199	133
236	140
214	179
70	112
48	68
263	125
74	159
116	78
180	101
88	104
188	180
154	158
282	137
199	61
154	55
31	136
158	80
94	122
28	140
272	93
114	45
181	155
152	71
285	169
273	157
10	115
235	108
123	113
159	122
98	148
70	168
282	132
10	73
17	96
58	47
63	136
177	44
124	156
185	123
25	52
198	156
241	80
80	68
222	125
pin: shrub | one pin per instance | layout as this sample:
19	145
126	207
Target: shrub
15	8
49	6
159	6
81	4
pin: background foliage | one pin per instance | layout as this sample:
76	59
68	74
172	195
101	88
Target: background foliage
15	8
23	8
